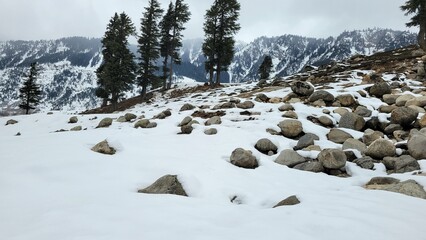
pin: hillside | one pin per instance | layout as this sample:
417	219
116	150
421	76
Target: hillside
329	153
68	64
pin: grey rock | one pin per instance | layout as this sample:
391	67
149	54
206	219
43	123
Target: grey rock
104	123
302	88
371	136
210	131
290	114
338	136
390	98
417	145
76	128
143	123
404	116
391	128
383	181
129	117
151	125
306	141
121	119
365	162
381	148
341	111
332	158
409	187
185	121
352	121
351	143
245	105
187	107
262	98
402	100
379	89
216	120
186	129
286	107
401	164
291	128
104	148
289	158
326	121
265	146
292	200
346	100
11	122
244	159
311	166
321	95
73	119
387	109
168	184
363	111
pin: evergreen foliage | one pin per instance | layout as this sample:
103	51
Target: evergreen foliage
172	26
418	9
30	92
149	46
116	74
265	68
220	26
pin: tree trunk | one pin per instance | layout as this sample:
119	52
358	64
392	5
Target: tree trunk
171	74
165	71
219	66
143	93
104	102
211	72
422	37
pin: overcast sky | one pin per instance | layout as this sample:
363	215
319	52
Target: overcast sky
51	19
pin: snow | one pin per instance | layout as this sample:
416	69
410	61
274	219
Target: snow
52	186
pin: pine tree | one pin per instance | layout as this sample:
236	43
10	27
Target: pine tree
30	92
265	68
117	71
418	8
149	46
220	26
166	26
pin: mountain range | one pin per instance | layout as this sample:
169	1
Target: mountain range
68	65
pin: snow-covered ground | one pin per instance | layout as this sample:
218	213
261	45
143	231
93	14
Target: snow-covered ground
52	186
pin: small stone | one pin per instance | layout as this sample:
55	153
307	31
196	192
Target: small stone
289	158
417	145
365	162
346	100
76	128
321	95
168	184
390	98
363	111
104	123
210	131
409	187
291	128
370	136
245	105
311	166
216	120
292	200
187	107
265	146
185	121
290	114
306	141
338	136
302	88
401	164
286	107
244	159
351	143
73	119
379	89
402	100
326	121
186	129
143	123
11	122
129	117
104	148
404	116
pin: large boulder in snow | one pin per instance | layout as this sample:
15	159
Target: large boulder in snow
187	107
379	89
11	122
380	149
338	136
245	105
292	200
321	95
352	121
291	128
73	119
104	148
266	146
244	159
302	88
289	158
332	158
409	187
417	145
168	184
216	120
104	123
404	116
401	164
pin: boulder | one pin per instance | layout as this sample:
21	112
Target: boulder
104	123
326	121
417	145
290	114
143	123
266	146
306	141
286	107
341	111
302	88
352	121
363	111
409	187
289	158
379	89
151	125
73	119
185	121
210	131
332	158
422	121
11	122
380	149
390	98
121	119
292	200
187	107
402	100
346	100
261	97
365	162
401	164
216	120
129	117
391	128
168	184
321	95
404	116
371	136
351	143
310	166
186	129
245	105
244	159
104	148
291	128
338	136
76	128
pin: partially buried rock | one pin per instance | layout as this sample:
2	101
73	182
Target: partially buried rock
210	131
321	95
187	107
292	200
244	159
365	162
417	145
352	121
76	128
351	143
363	111
346	100
145	123
11	122
306	141
401	164
381	148
332	158
104	123
409	187
404	116
168	184
104	148
73	119
371	136
302	88
245	105
379	89
289	158
129	116
310	166
326	121
338	136
266	146
213	121
186	129
291	128
185	121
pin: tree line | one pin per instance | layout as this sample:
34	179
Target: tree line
159	44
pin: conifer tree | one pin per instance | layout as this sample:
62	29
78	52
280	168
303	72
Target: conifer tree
418	8
149	46
220	26
265	68
166	26
117	71
30	92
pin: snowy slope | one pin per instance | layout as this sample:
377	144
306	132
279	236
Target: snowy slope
53	186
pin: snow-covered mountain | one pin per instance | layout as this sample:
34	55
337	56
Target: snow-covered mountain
68	65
